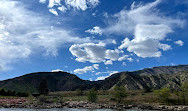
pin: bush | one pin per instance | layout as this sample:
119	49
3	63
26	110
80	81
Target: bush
163	94
79	92
119	93
92	95
42	99
147	90
184	93
2	92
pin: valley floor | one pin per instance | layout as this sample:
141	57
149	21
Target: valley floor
134	100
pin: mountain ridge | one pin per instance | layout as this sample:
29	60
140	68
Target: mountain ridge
156	77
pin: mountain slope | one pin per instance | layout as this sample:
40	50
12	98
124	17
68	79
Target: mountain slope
133	81
57	81
157	77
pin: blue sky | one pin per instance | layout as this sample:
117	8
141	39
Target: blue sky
91	38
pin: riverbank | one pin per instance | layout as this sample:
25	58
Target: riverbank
24	103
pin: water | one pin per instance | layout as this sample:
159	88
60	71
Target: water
16	109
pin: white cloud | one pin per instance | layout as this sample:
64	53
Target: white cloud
96	66
108	62
130	59
148	25
53	3
124	57
90	79
179	42
62	8
95	30
124	64
57	70
75	4
113	72
127	20
42	1
53	11
23	33
94	53
104	77
101	78
84	70
146	42
87	69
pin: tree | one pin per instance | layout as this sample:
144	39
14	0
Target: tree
184	92
2	92
43	87
92	95
119	93
163	94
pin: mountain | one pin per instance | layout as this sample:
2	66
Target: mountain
133	81
156	77
57	81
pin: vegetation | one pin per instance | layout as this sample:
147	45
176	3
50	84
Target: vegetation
92	95
184	93
119	93
79	92
43	87
4	92
163	94
147	89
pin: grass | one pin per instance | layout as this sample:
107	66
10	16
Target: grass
136	97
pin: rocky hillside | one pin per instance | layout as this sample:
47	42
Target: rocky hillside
133	81
157	77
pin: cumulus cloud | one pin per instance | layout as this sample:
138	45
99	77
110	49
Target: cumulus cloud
94	53
86	69
179	42
149	27
95	30
126	20
68	4
23	31
146	42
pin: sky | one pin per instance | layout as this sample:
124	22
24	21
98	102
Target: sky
91	38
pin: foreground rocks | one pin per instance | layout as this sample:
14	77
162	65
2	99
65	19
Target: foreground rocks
23	103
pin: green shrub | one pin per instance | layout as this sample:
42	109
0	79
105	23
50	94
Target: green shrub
163	94
42	99
79	92
119	93
184	93
61	99
92	95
